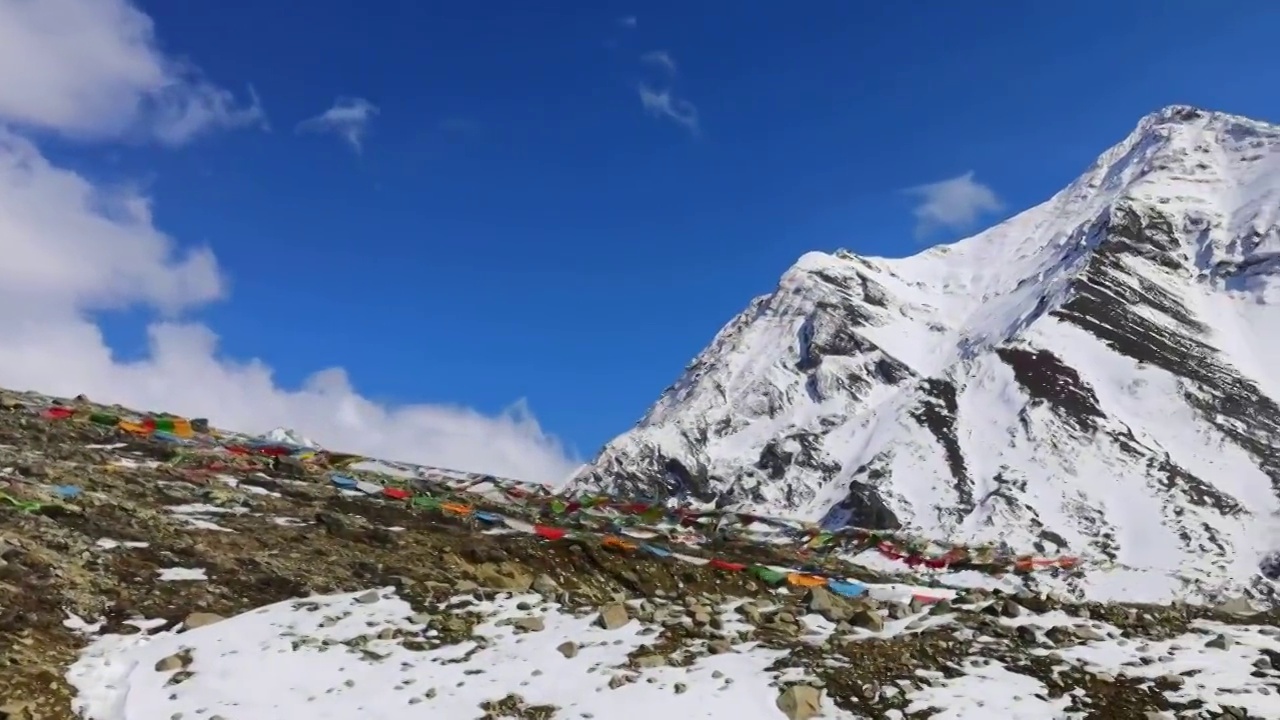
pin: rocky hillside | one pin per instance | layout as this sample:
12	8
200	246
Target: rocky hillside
151	567
1095	375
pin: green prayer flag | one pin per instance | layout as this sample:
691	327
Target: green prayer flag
773	577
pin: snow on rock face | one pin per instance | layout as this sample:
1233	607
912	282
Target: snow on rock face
1096	375
285	436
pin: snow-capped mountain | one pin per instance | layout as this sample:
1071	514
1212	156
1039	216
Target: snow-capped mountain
286	436
1096	375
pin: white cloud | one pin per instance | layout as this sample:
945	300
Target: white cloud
72	248
349	119
627	21
91	69
956	203
662	104
661	59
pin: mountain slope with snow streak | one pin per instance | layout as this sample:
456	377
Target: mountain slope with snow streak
1096	375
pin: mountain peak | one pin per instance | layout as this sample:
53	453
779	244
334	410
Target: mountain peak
1094	375
287	436
1191	115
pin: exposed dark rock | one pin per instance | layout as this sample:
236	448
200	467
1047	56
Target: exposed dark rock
863	507
1114	304
937	413
1050	381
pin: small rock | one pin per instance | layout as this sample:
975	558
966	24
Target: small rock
650	661
503	577
868	620
822	601
568	649
530	624
1219	642
1086	633
545	585
200	619
800	702
613	616
17	711
1010	609
176	661
368	597
721	646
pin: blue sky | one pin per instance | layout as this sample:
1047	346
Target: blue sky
516	222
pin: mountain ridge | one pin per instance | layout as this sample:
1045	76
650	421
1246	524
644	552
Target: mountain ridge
983	389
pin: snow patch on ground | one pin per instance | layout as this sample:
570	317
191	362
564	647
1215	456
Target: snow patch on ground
342	656
326	680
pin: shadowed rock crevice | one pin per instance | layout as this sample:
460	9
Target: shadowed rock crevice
1195	491
936	412
1048	380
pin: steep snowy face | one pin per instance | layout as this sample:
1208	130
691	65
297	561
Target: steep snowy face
1096	375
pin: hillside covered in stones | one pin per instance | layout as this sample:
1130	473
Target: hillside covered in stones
150	569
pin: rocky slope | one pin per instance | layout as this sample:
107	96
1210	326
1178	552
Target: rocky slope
1097	375
144	577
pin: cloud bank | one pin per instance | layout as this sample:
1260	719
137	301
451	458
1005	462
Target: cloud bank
91	69
73	248
954	204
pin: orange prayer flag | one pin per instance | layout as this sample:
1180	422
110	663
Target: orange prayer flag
617	543
803	580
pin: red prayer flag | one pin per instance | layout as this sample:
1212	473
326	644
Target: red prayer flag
548	532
